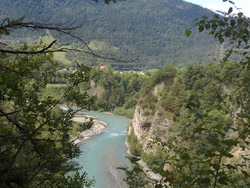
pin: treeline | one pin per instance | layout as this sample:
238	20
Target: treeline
116	91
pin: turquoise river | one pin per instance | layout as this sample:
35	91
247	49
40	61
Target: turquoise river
102	154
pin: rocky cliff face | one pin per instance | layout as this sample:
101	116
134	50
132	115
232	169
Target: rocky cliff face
178	121
96	90
146	127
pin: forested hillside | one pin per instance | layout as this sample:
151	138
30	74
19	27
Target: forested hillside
189	126
150	31
115	91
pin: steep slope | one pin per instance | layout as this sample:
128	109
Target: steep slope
186	120
151	30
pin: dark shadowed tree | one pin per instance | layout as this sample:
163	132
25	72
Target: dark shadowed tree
36	149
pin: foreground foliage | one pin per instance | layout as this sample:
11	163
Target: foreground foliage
35	145
34	133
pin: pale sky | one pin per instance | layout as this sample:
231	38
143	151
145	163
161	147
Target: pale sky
219	5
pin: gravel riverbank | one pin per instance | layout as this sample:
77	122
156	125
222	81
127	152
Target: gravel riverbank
96	129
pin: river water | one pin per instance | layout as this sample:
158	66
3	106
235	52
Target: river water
102	154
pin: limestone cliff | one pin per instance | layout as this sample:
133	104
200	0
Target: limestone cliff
96	90
146	126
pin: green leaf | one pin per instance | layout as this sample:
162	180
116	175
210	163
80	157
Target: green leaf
185	156
221	40
232	22
200	114
240	14
133	160
231	167
245	173
230	142
199	130
187	178
201	28
227	76
240	21
188	32
205	181
223	180
230	10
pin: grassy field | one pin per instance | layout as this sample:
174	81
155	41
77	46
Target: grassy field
58	56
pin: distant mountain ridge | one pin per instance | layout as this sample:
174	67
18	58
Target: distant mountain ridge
151	30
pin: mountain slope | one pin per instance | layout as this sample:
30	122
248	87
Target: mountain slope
152	30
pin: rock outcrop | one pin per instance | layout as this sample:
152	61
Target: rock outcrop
147	127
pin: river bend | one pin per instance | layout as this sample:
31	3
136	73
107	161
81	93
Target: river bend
102	154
